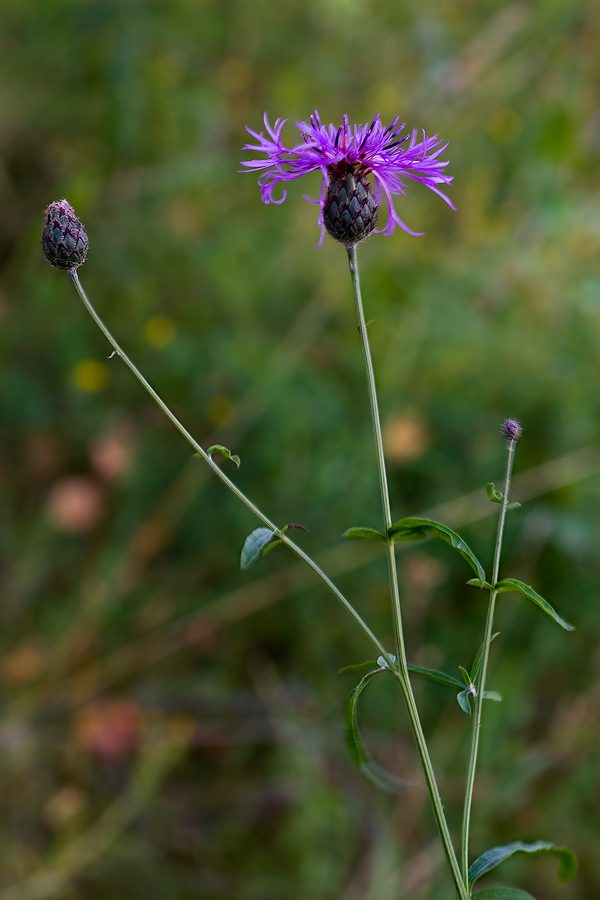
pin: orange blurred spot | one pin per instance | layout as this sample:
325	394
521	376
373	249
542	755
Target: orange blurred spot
112	454
75	505
23	664
220	410
109	729
405	438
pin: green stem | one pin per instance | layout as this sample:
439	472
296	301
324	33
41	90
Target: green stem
480	687
220	474
402	674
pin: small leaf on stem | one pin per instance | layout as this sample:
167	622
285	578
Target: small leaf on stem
356	667
567	867
513	584
477	661
494	495
219	448
366	534
466	676
402	531
255	545
360	753
502	893
464	702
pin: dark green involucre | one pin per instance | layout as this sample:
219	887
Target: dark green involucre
64	241
350	211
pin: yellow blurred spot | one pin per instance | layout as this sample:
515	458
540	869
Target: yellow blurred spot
220	410
91	376
504	125
384	98
160	331
185	217
181	728
234	75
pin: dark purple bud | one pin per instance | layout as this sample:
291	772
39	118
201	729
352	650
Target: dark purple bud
511	429
350	211
64	241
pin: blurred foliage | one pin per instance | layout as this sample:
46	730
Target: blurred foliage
171	727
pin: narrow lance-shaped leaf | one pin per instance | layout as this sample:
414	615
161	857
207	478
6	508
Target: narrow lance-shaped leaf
567	861
360	753
466	676
255	545
479	656
430	674
512	584
366	534
502	893
405	527
219	448
434	675
356	667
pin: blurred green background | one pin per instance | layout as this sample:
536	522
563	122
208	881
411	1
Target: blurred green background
171	727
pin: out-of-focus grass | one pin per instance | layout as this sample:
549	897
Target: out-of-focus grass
115	542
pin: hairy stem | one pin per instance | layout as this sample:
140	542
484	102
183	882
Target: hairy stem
220	474
402	673
480	686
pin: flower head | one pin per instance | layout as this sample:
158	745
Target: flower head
64	241
347	157
511	429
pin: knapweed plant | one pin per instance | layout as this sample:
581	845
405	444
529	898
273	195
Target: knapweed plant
358	165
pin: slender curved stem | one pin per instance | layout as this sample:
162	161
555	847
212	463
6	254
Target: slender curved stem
402	674
220	474
480	686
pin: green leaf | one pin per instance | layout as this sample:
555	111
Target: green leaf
466	676
492	695
360	753
477	661
431	674
512	584
464	701
219	448
270	546
567	868
367	534
476	582
514	505
382	661
502	893
356	667
414	535
254	546
434	675
494	495
416	526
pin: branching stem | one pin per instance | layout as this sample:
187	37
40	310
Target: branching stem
220	474
478	700
402	674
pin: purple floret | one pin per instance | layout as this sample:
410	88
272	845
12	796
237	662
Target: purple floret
381	151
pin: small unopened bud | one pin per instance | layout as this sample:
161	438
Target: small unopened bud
511	429
350	211
64	241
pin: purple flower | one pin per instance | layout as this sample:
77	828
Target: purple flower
356	151
511	429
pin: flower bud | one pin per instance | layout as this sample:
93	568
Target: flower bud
350	211
64	241
511	429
